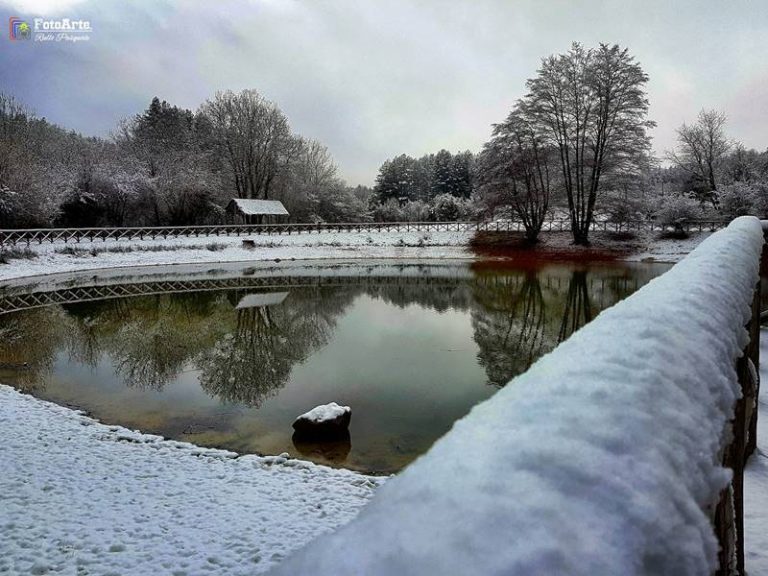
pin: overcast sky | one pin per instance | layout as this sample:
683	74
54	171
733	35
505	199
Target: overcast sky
374	79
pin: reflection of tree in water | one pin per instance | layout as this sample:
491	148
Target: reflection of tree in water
253	361
29	342
509	324
578	308
523	315
245	355
436	293
150	339
151	354
86	324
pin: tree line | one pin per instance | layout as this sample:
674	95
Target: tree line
432	187
167	166
575	146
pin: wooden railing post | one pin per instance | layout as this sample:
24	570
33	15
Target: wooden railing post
754	353
729	514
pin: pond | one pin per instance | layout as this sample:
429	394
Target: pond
229	358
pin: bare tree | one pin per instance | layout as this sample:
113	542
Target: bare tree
702	148
253	135
317	168
14	118
593	107
516	168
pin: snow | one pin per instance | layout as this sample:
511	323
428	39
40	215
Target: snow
81	497
580	468
646	246
325	413
756	481
667	250
344	245
257	207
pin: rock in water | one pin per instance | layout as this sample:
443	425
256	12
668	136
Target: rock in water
326	421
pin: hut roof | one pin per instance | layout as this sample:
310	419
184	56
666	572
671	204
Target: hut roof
257	207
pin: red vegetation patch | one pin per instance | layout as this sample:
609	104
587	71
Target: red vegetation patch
552	247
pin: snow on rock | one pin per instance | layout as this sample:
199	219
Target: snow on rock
598	460
324	413
77	496
326	421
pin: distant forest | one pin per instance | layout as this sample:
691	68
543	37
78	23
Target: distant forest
576	147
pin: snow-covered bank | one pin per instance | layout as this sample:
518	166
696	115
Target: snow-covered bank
756	481
60	257
77	496
580	467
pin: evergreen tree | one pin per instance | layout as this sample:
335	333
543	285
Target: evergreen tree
461	174
443	174
396	179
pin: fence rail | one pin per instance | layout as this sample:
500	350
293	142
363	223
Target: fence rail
25	300
10	237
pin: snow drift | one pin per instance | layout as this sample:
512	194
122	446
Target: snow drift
601	459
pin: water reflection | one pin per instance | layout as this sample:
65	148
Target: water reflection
509	324
249	361
334	451
232	368
578	308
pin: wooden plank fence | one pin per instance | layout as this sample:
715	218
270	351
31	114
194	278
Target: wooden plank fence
728	515
10	237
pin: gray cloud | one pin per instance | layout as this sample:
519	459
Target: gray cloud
375	79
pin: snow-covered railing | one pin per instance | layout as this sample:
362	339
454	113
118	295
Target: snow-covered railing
606	457
29	236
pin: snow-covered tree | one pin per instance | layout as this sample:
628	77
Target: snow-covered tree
743	199
517	168
252	135
675	209
396	180
592	106
701	151
389	211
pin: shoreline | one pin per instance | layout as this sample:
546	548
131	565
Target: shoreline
554	247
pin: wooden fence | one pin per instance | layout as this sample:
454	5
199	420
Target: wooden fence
10	237
728	515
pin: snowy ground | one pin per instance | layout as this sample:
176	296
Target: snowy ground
647	246
230	249
52	258
756	481
80	497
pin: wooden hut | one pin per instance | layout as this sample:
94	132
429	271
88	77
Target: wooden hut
247	211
